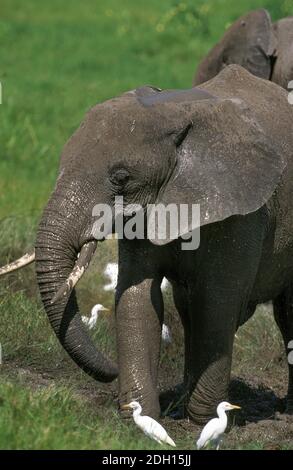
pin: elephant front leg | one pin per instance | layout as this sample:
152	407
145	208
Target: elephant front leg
139	316
210	365
226	272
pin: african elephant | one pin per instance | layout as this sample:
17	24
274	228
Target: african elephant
263	48
226	145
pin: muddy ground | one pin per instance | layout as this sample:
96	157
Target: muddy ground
260	423
258	385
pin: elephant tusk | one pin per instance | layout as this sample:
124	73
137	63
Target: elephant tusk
26	259
83	261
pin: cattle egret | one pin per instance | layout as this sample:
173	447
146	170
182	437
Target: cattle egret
164	283
111	271
148	425
92	320
166	335
213	431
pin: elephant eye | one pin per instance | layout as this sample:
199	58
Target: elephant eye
119	176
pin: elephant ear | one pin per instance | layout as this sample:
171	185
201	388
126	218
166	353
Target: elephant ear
249	42
283	68
226	161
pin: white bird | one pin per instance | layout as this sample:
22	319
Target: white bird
92	320
148	425
166	335
111	271
213	431
164	283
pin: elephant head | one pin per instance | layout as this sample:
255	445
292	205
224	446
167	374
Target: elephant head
282	72
263	48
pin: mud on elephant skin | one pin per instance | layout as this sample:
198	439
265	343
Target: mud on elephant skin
218	145
263	48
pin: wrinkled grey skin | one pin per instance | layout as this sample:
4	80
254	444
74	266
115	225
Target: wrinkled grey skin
263	48
220	146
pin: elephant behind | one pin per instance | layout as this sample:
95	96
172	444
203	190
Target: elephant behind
263	48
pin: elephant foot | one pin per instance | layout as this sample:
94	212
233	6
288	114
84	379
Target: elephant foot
200	410
173	402
200	419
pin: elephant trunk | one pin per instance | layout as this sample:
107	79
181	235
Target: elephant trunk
59	240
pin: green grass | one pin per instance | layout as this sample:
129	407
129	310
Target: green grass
58	59
55	418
